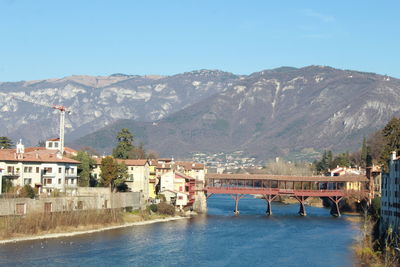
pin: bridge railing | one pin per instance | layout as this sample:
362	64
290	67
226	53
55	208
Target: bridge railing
282	191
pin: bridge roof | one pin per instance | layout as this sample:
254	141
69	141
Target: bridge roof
343	178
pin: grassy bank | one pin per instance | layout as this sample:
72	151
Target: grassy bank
37	224
371	250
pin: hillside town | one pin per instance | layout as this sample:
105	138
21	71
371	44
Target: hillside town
52	173
56	178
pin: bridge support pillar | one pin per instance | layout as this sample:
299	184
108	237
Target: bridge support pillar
302	210
269	199
335	210
237	197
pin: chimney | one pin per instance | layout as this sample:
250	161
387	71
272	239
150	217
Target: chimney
394	156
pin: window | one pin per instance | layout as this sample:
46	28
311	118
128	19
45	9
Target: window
50	144
27	181
131	177
55	144
59	170
37	169
47	181
20	208
180	197
47	207
59	181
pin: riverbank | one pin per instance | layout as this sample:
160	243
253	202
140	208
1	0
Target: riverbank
90	231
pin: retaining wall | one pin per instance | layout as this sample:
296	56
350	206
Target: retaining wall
85	200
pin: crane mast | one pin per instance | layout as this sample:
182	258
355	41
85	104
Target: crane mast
62	110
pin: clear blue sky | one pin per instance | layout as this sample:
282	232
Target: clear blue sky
48	39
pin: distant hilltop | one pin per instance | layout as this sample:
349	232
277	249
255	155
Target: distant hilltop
278	112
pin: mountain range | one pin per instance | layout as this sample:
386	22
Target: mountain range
290	112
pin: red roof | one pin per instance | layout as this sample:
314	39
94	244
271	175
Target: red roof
189	165
128	162
133	162
53	139
33	154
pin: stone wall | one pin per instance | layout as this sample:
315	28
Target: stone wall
87	199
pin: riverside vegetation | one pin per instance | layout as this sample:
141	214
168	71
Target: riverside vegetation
70	221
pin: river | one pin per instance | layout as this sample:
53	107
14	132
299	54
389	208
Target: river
216	239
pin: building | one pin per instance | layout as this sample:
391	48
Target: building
138	174
374	174
153	180
340	171
173	184
192	169
42	168
390	199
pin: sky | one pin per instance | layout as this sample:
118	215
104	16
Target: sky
53	39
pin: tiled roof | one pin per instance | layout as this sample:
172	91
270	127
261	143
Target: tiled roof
133	162
128	162
181	175
164	166
33	154
342	178
189	165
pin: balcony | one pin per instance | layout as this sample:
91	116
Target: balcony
12	175
48	174
70	175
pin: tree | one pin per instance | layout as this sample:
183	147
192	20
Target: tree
325	163
137	152
125	144
364	151
122	176
84	168
41	143
113	174
342	160
5	142
109	171
391	136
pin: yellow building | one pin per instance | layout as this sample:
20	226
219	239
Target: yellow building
138	174
152	179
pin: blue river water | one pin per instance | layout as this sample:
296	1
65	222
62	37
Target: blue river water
216	239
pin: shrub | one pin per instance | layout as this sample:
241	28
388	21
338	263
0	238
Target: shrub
164	208
161	197
27	191
153	207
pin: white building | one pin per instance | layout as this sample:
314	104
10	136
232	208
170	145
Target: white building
390	199
44	169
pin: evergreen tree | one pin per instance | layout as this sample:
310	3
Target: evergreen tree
125	144
5	142
84	168
364	152
342	160
329	160
391	136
